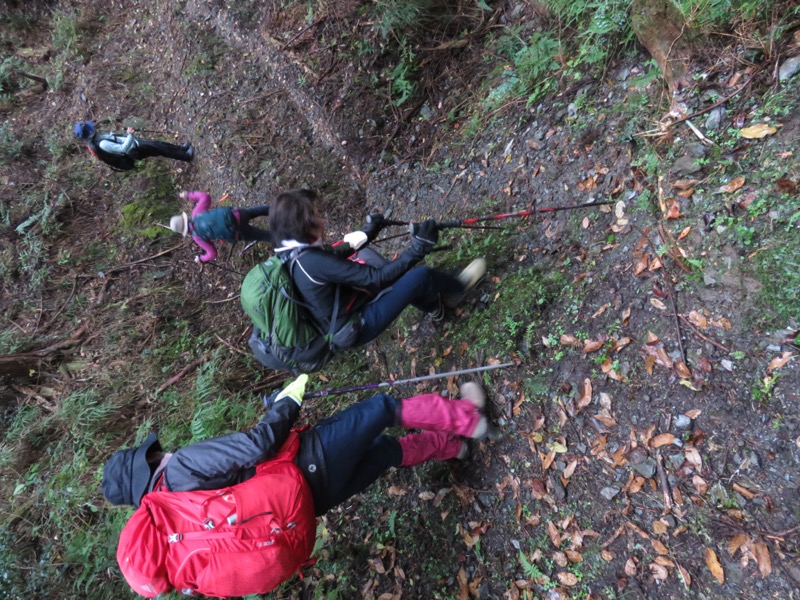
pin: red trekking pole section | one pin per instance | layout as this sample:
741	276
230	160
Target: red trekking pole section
522	213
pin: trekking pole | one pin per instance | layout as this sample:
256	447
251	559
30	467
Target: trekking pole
522	213
224	268
372	386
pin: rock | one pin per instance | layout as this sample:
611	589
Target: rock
685	165
715	118
682	422
676	460
709	280
789	67
609	492
718	494
559	493
646	468
486	500
726	364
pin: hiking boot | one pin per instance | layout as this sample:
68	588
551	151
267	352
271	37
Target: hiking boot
189	149
468	278
437	313
431	445
472	274
473	392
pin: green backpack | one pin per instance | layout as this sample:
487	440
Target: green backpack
285	337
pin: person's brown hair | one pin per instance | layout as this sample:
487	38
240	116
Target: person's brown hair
294	216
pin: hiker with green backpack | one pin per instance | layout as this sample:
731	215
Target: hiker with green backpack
236	515
311	300
221	223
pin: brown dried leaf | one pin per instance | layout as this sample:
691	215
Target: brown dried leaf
570	469
682	370
744	491
553	534
686	231
586	393
574	556
687	579
662	439
606	555
693	456
594	345
655	302
700	484
779	361
736	542
640	266
697	319
568	579
567	339
626	315
786	186
684	184
733	185
673	209
712	562
693	413
376	564
762	557
548	460
658	572
660	527
649	363
560	559
630	567
659	547
635	485
664	561
397	491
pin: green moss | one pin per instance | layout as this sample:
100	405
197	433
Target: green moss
154	203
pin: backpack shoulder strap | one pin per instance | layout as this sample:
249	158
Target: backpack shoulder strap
292	259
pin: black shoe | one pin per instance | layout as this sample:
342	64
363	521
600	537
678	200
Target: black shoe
437	313
189	150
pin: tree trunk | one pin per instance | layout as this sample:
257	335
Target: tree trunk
661	28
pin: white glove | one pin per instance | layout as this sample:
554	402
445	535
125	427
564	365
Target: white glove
356	239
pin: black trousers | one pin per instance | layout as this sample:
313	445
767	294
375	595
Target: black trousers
249	233
148	148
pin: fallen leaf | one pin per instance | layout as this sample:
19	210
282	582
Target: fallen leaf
787	186
560	559
687	579
684	184
682	370
685	232
663	439
586	393
570	469
630	567
744	491
762	557
674	209
693	456
538	489
660	527
376	564
568	579
635	486
594	345
658	572
700	484
734	184
626	314
574	556
658	304
426	496
659	547
567	339
606	555
693	413
698	319
779	361
553	534
664	561
758	131
397	491
736	542
712	562
548	460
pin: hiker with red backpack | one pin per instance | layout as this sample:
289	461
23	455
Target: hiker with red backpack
222	223
235	515
121	152
356	301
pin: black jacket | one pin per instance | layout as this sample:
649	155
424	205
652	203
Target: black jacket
230	459
317	273
119	162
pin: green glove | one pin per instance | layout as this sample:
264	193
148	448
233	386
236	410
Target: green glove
295	390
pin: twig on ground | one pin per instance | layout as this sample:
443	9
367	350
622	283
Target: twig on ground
229	346
63	306
175	378
662	478
701	336
699	134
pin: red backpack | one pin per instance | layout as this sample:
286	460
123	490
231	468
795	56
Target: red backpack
245	539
